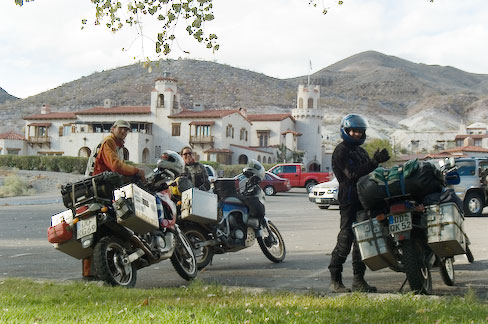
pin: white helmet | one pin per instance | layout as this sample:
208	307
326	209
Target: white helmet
254	168
171	161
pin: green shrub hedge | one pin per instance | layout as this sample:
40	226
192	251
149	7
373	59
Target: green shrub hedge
67	164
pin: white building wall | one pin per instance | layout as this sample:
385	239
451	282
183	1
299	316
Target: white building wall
17	146
416	142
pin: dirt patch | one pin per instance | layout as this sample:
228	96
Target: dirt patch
41	182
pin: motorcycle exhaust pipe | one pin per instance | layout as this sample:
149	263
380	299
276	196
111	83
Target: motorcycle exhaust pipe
143	247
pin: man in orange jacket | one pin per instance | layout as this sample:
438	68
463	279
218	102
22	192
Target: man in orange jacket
108	159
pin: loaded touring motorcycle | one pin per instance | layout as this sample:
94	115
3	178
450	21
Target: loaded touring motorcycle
412	222
124	226
227	220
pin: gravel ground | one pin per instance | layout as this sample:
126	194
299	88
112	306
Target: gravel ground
42	182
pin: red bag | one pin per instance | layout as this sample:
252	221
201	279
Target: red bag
59	233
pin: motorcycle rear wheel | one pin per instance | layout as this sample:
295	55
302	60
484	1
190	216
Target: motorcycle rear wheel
111	265
272	244
417	267
183	258
446	268
203	254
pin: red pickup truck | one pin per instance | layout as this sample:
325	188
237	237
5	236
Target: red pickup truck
298	177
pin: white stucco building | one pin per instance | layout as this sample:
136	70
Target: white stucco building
228	136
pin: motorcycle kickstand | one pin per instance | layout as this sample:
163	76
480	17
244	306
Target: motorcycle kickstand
403	285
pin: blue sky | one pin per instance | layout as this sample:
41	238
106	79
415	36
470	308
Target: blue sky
42	45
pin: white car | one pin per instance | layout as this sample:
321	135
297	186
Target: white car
325	194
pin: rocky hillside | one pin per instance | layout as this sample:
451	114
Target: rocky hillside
5	96
391	91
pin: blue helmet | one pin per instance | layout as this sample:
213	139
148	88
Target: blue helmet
353	121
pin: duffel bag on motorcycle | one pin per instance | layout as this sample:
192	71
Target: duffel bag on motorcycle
415	178
99	186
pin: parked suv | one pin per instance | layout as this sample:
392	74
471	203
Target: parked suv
473	187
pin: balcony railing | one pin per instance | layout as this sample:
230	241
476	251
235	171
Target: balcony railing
39	140
201	139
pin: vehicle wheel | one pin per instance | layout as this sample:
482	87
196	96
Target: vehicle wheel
183	258
446	268
204	255
469	254
416	267
269	191
473	204
309	185
324	206
111	263
272	244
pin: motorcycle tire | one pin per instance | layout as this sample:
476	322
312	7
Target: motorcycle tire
204	254
183	258
272	244
108	256
446	268
417	267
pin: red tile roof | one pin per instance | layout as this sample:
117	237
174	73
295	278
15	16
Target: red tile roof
216	150
292	132
202	123
474	136
116	110
53	115
465	149
250	148
217	113
269	117
40	124
11	136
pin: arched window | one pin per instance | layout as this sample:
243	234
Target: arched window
84	152
269	159
310	103
126	154
300	103
145	155
160	100
259	158
242	159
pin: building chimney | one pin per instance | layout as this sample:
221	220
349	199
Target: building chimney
108	103
45	109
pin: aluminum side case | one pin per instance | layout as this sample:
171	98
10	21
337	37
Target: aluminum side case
445	229
199	206
145	216
372	244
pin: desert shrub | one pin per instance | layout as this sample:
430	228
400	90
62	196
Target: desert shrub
14	185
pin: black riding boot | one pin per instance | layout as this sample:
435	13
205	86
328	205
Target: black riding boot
359	284
336	285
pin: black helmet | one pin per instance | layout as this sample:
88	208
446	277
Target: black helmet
353	121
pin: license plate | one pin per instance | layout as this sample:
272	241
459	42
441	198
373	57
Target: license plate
400	222
86	227
318	200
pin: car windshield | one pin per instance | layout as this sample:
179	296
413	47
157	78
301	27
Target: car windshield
466	168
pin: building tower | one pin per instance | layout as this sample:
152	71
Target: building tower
308	121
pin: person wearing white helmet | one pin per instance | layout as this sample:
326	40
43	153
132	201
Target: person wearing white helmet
350	162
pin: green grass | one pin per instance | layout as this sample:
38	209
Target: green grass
25	301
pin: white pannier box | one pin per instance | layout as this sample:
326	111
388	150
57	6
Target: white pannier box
372	245
199	206
145	216
445	234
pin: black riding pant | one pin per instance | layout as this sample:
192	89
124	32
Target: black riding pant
344	241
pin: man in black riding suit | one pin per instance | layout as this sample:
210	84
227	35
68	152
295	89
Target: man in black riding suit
350	162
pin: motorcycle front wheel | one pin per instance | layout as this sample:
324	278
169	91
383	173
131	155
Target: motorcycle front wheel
111	263
446	268
183	258
203	254
417	267
271	243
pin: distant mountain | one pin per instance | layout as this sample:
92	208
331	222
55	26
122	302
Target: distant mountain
5	96
387	89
